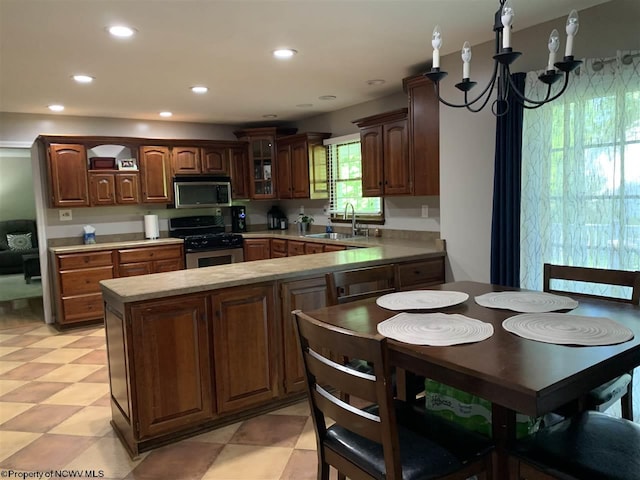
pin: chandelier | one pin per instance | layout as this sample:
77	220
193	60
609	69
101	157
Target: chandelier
503	58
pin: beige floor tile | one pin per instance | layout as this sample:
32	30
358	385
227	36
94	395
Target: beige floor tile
79	394
88	422
307	439
97	333
7	350
241	462
63	355
69	373
220	435
57	341
300	408
4	336
108	455
6	366
44	330
8	410
8	385
11	442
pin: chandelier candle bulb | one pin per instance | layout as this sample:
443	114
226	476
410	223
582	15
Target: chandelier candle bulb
554	43
572	30
507	20
466	60
436	43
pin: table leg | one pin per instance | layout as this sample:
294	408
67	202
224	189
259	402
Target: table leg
503	427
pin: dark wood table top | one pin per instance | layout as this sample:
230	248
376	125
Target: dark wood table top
518	374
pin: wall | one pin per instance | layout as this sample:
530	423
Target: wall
16	181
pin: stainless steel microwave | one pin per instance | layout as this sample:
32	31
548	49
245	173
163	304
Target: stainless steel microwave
201	191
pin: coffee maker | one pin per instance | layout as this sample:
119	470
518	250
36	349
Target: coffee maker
238	219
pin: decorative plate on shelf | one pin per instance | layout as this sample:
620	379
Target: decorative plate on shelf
565	329
421	299
436	329
526	302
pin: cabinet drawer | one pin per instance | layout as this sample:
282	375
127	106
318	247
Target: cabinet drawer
85	260
313	248
278	245
425	272
295	248
134	269
170	265
146	254
334	248
80	282
84	307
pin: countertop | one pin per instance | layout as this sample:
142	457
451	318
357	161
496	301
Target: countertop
115	245
159	285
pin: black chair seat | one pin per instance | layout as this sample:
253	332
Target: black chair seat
609	391
591	445
421	457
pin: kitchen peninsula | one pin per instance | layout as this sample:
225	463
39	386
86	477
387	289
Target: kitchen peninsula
193	350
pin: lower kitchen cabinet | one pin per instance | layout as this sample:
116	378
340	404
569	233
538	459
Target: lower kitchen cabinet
172	364
305	295
421	273
245	347
145	260
278	248
256	249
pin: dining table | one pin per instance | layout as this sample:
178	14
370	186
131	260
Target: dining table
515	374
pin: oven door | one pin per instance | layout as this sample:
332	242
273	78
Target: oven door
211	258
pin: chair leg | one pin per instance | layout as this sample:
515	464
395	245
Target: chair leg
342	476
323	470
627	403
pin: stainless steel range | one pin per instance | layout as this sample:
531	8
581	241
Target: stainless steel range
205	242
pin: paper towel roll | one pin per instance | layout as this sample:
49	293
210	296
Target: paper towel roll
151	229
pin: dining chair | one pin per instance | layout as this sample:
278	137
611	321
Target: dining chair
590	445
389	439
619	388
352	285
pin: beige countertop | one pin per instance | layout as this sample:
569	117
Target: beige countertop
159	285
114	245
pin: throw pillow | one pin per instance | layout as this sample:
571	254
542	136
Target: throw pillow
19	242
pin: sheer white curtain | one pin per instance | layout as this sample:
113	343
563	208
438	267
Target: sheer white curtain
581	173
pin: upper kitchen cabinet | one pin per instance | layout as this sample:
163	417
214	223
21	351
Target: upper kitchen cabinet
155	175
302	166
67	167
239	166
207	160
386	167
424	134
262	159
186	160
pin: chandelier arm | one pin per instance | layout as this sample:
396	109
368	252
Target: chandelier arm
476	110
522	98
488	87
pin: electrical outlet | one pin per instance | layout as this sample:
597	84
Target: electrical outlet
65	215
218	211
425	211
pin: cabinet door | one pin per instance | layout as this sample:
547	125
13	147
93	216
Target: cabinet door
155	175
397	179
136	268
262	152
305	295
215	161
371	149
420	274
256	249
186	160
172	364
334	248
311	247
102	188
299	170
68	175
318	172
127	190
284	172
170	265
245	347
278	247
239	159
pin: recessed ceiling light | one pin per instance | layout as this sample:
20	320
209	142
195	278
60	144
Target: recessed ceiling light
56	108
376	82
83	78
327	97
121	31
199	89
304	105
166	114
284	53
270	115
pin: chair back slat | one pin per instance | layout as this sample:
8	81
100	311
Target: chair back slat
352	285
623	278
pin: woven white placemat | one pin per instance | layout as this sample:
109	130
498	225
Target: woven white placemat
526	302
421	299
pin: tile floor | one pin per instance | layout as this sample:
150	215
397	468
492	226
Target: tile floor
54	414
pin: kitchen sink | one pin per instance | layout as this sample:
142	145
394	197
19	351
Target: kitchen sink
330	236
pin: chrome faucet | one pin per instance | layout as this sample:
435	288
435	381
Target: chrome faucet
353	217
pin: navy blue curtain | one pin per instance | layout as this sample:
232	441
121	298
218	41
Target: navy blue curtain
505	225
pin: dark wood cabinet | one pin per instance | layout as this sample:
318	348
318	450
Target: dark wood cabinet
245	347
311	247
278	247
302	166
424	135
305	295
145	260
67	168
215	160
155	175
127	188
421	273
386	167
107	188
334	248
239	166
295	247
172	364
209	160
186	160
256	249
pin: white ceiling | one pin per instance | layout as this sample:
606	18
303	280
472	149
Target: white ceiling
226	45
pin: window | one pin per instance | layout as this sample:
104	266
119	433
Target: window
345	181
581	175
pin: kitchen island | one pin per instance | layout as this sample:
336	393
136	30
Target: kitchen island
192	350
